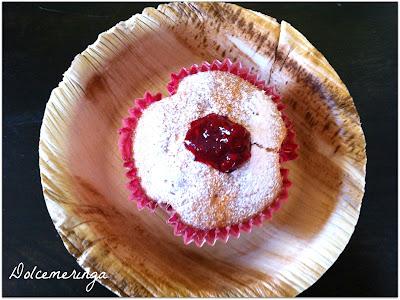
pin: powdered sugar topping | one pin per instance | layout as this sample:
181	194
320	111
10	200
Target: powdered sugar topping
202	196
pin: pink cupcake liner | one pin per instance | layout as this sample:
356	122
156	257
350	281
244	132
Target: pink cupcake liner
189	233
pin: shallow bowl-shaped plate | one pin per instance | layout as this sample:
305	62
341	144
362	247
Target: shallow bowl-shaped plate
83	178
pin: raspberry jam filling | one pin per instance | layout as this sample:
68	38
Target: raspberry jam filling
218	142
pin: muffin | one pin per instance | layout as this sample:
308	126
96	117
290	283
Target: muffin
210	154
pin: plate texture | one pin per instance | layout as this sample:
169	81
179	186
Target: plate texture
83	178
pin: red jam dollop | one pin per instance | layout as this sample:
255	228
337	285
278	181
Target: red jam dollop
218	142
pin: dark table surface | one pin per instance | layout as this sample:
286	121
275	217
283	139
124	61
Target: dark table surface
39	43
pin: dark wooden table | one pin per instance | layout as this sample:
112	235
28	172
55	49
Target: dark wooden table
39	43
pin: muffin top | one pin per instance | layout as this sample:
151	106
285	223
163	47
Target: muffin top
203	196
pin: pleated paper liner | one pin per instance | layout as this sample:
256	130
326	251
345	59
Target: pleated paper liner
189	233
